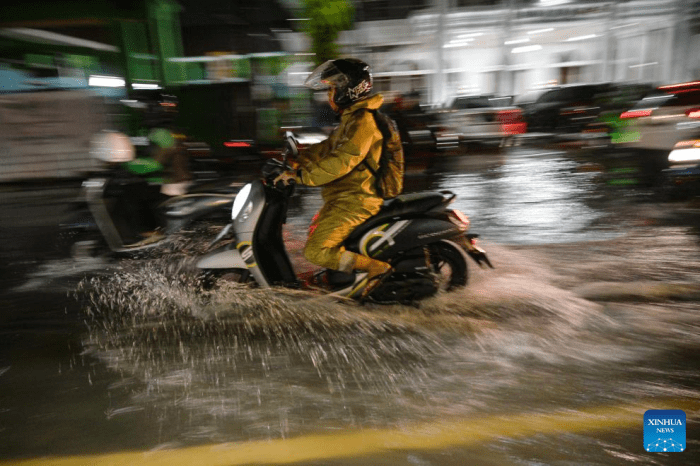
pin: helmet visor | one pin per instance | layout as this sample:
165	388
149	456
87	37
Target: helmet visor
325	76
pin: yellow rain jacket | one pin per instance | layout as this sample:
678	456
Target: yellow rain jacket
347	185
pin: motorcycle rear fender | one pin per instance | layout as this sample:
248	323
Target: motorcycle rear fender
475	252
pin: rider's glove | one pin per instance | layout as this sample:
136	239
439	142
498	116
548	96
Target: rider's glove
285	177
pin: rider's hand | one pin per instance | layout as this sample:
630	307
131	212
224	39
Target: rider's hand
285	177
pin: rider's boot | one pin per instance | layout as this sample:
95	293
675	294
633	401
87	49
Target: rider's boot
376	270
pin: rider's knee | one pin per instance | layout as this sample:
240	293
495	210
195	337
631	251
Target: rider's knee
321	256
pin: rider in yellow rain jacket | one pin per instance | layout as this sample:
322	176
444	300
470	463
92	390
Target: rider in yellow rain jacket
336	164
348	186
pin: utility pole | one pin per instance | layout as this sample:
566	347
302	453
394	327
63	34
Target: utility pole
610	52
439	81
504	82
681	47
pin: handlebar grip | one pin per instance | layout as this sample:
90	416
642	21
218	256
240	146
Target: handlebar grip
281	185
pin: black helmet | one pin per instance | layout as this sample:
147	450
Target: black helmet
350	77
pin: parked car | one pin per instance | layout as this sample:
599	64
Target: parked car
682	177
483	119
661	119
569	108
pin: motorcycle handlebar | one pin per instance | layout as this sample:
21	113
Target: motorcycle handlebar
272	168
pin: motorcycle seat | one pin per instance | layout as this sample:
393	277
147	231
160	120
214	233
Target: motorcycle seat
404	204
414	202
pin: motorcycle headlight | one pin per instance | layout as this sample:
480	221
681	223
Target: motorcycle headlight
240	201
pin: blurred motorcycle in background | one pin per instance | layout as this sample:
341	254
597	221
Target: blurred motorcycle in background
122	212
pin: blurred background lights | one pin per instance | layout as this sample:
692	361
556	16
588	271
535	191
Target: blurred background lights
106	81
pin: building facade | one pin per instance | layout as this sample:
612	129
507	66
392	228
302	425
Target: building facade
508	49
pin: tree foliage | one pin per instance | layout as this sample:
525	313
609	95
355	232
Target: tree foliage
326	19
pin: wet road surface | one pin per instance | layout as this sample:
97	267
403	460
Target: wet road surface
589	319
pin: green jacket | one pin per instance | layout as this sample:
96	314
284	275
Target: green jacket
334	163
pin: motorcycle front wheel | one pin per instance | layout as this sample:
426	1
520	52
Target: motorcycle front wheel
448	265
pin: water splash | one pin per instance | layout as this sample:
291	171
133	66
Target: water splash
242	362
276	361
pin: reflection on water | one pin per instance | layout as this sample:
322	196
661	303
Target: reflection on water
531	198
545	330
524	197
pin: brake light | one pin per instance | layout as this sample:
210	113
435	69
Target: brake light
636	113
509	116
693	113
686	144
511	121
236	144
680	85
462	219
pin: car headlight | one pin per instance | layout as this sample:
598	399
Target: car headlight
690	155
240	201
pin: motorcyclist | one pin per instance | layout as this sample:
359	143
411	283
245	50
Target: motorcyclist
163	170
167	157
348	191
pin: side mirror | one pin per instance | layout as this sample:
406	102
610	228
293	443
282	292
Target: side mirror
292	145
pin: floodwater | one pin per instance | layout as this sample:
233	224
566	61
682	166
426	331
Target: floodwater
589	319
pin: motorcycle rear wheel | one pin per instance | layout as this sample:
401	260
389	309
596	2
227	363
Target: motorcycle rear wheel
448	266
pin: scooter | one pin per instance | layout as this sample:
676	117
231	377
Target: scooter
426	243
97	223
120	213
